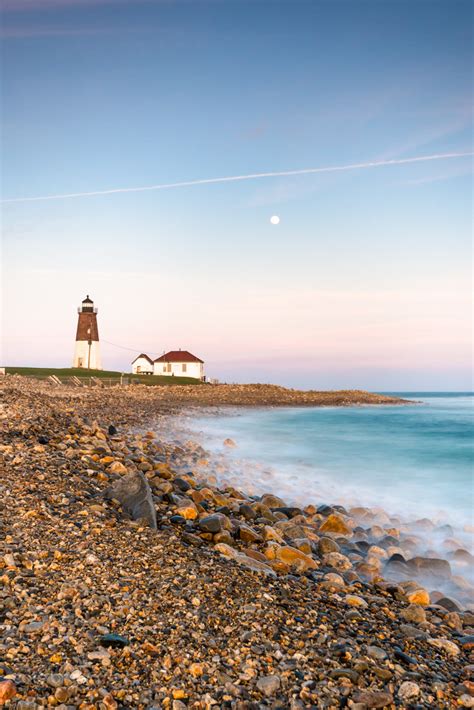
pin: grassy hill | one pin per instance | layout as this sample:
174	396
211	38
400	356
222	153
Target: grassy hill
64	372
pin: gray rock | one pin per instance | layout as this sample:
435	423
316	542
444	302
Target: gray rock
408	691
134	494
431	566
268	684
377	653
211	524
414	613
449	604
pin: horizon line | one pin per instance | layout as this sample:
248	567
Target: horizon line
250	176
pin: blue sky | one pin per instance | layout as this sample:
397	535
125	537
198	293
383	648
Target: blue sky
365	281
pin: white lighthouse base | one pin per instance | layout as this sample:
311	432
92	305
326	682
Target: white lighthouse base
87	356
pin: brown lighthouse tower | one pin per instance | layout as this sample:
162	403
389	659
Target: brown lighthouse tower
87	350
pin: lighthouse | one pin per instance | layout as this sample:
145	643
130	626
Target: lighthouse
87	350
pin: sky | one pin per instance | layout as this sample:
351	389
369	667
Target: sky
365	282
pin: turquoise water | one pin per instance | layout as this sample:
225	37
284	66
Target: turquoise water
414	461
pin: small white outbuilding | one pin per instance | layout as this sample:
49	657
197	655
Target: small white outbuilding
142	365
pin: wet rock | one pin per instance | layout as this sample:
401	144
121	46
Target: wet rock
337	561
247	512
181	484
449	604
288	511
327	545
248	534
290	556
211	523
269	533
335	524
272	501
230	443
134	494
430	566
419	596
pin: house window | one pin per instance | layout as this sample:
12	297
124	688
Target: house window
139	369
169	367
184	367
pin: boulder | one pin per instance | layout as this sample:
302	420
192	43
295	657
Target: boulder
335	524
272	501
133	492
414	613
431	566
418	596
291	557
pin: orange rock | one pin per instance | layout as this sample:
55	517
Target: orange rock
179	694
196	669
189	512
334	523
256	554
117	467
7	691
106	460
291	557
419	596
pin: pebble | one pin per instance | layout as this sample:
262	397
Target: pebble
7	691
408	691
414	613
269	684
445	645
263	607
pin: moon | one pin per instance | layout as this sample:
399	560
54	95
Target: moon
275	219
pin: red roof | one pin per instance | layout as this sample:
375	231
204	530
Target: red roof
178	356
146	358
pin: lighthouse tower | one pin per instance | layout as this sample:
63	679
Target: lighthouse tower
87	351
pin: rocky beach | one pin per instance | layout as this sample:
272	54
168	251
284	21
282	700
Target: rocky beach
134	577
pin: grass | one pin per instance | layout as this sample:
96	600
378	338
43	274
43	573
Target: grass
44	372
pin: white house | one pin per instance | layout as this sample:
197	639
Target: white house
180	363
142	365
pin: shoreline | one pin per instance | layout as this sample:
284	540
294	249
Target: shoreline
416	532
299	613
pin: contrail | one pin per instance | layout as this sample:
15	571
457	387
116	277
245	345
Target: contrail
251	176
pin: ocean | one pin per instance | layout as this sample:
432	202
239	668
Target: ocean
414	461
